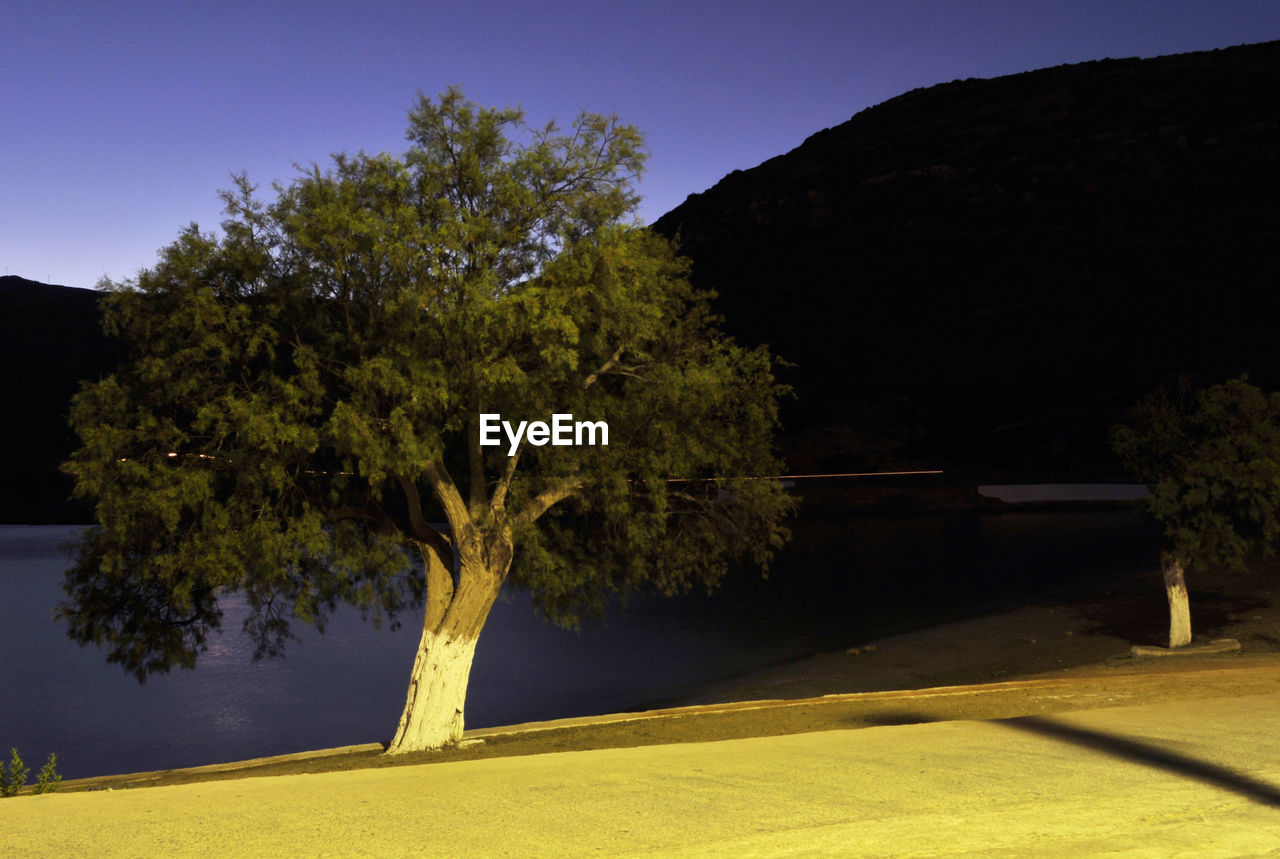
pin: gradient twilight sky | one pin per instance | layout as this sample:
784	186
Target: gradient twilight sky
122	120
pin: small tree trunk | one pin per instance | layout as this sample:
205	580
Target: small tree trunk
1175	587
433	708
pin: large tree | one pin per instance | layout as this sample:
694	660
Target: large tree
299	418
1211	459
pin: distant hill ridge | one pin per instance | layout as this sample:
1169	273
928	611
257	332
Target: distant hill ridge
50	338
980	275
985	273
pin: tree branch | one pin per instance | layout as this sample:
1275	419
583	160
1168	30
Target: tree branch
499	502
455	510
375	515
547	499
437	559
475	459
417	522
604	368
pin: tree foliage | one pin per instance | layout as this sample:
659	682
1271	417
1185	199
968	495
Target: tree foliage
1212	462
301	394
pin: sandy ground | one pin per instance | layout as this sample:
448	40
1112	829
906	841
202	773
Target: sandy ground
1198	777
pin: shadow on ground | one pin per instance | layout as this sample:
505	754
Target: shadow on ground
1150	755
1147	754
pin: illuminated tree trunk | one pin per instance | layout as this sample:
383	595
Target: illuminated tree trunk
432	716
1175	587
433	708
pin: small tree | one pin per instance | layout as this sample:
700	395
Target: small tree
302	401
48	780
13	778
1212	462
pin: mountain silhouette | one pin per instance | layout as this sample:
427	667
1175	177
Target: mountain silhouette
985	274
981	275
50	339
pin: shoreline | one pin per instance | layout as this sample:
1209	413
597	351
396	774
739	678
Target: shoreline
1052	656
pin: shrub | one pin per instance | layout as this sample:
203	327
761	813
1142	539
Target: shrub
48	779
11	781
14	778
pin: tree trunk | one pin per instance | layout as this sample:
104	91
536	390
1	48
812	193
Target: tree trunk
1175	587
432	716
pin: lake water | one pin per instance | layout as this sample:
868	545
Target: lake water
843	581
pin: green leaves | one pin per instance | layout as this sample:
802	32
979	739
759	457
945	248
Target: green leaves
302	392
14	778
1212	460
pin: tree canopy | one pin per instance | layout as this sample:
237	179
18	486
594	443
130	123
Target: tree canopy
297	417
1212	461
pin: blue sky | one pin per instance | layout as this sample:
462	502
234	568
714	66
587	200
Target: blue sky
121	121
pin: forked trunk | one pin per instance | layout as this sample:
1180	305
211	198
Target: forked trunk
1175	587
433	708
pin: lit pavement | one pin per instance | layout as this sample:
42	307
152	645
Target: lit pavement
1188	777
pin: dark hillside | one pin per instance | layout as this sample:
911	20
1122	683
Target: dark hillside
984	274
50	338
